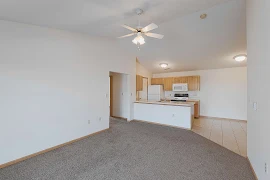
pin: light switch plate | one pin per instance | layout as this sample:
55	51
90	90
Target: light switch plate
255	106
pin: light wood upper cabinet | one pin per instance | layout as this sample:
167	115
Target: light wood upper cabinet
157	81
168	82
139	83
183	79
198	80
192	81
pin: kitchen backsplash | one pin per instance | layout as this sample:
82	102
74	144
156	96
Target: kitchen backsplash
192	94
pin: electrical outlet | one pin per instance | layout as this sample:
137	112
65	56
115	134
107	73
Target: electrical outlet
89	121
266	168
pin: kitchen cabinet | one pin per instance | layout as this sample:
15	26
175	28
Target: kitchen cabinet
196	108
168	82
139	83
157	81
183	79
193	83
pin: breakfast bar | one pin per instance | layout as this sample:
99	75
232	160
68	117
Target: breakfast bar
176	114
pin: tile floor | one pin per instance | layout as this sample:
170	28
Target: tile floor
230	134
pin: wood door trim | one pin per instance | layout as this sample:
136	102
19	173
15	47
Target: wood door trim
146	87
111	95
119	118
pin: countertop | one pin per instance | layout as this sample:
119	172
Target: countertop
193	100
169	103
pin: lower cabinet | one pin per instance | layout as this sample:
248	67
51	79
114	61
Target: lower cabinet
196	111
196	108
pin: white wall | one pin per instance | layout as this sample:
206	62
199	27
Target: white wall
120	95
258	35
223	92
141	70
53	82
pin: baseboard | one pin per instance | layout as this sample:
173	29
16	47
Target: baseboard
160	124
210	117
119	118
47	150
256	177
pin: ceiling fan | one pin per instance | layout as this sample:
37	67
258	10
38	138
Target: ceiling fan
139	31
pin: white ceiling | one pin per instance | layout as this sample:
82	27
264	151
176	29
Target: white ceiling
189	43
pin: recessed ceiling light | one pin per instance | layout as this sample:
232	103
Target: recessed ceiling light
203	16
163	65
240	58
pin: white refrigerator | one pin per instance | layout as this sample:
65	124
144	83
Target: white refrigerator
155	93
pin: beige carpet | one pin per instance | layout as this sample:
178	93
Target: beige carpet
135	151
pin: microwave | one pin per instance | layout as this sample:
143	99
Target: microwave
180	87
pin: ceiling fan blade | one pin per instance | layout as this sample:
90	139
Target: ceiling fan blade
149	27
127	35
154	35
129	28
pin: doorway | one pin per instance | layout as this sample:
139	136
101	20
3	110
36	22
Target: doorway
118	95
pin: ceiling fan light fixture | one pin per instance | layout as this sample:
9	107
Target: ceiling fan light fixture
139	40
135	41
163	65
142	42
